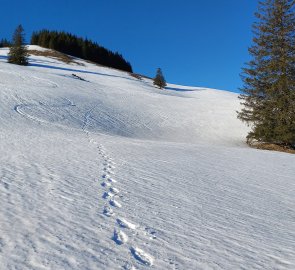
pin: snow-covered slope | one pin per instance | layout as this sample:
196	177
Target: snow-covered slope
112	173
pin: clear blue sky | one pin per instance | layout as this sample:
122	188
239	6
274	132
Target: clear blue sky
195	42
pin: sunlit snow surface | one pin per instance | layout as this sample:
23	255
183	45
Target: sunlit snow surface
112	173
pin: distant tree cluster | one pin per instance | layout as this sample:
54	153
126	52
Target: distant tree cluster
269	78
83	48
4	43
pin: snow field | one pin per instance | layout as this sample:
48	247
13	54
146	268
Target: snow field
112	173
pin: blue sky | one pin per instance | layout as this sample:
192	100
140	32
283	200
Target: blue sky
195	42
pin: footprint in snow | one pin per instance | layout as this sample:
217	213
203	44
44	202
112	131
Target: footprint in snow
142	256
108	195
114	190
112	180
106	184
115	203
120	237
105	176
108	162
123	223
108	171
108	211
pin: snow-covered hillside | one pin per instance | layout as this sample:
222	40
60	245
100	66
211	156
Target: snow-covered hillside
111	173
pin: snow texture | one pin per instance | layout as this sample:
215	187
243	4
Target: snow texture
113	173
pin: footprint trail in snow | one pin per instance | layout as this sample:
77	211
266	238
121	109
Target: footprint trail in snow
122	227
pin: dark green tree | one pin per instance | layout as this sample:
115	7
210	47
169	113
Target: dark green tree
18	53
268	94
159	80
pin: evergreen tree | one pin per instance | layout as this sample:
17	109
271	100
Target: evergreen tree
159	80
269	78
18	53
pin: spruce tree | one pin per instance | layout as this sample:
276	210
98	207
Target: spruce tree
269	78
18	53
159	80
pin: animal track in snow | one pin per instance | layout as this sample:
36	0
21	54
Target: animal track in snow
120	237
142	256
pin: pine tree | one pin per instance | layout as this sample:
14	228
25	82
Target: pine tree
18	53
159	80
269	78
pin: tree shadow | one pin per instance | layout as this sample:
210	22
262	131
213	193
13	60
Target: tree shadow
45	64
181	89
34	64
3	57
